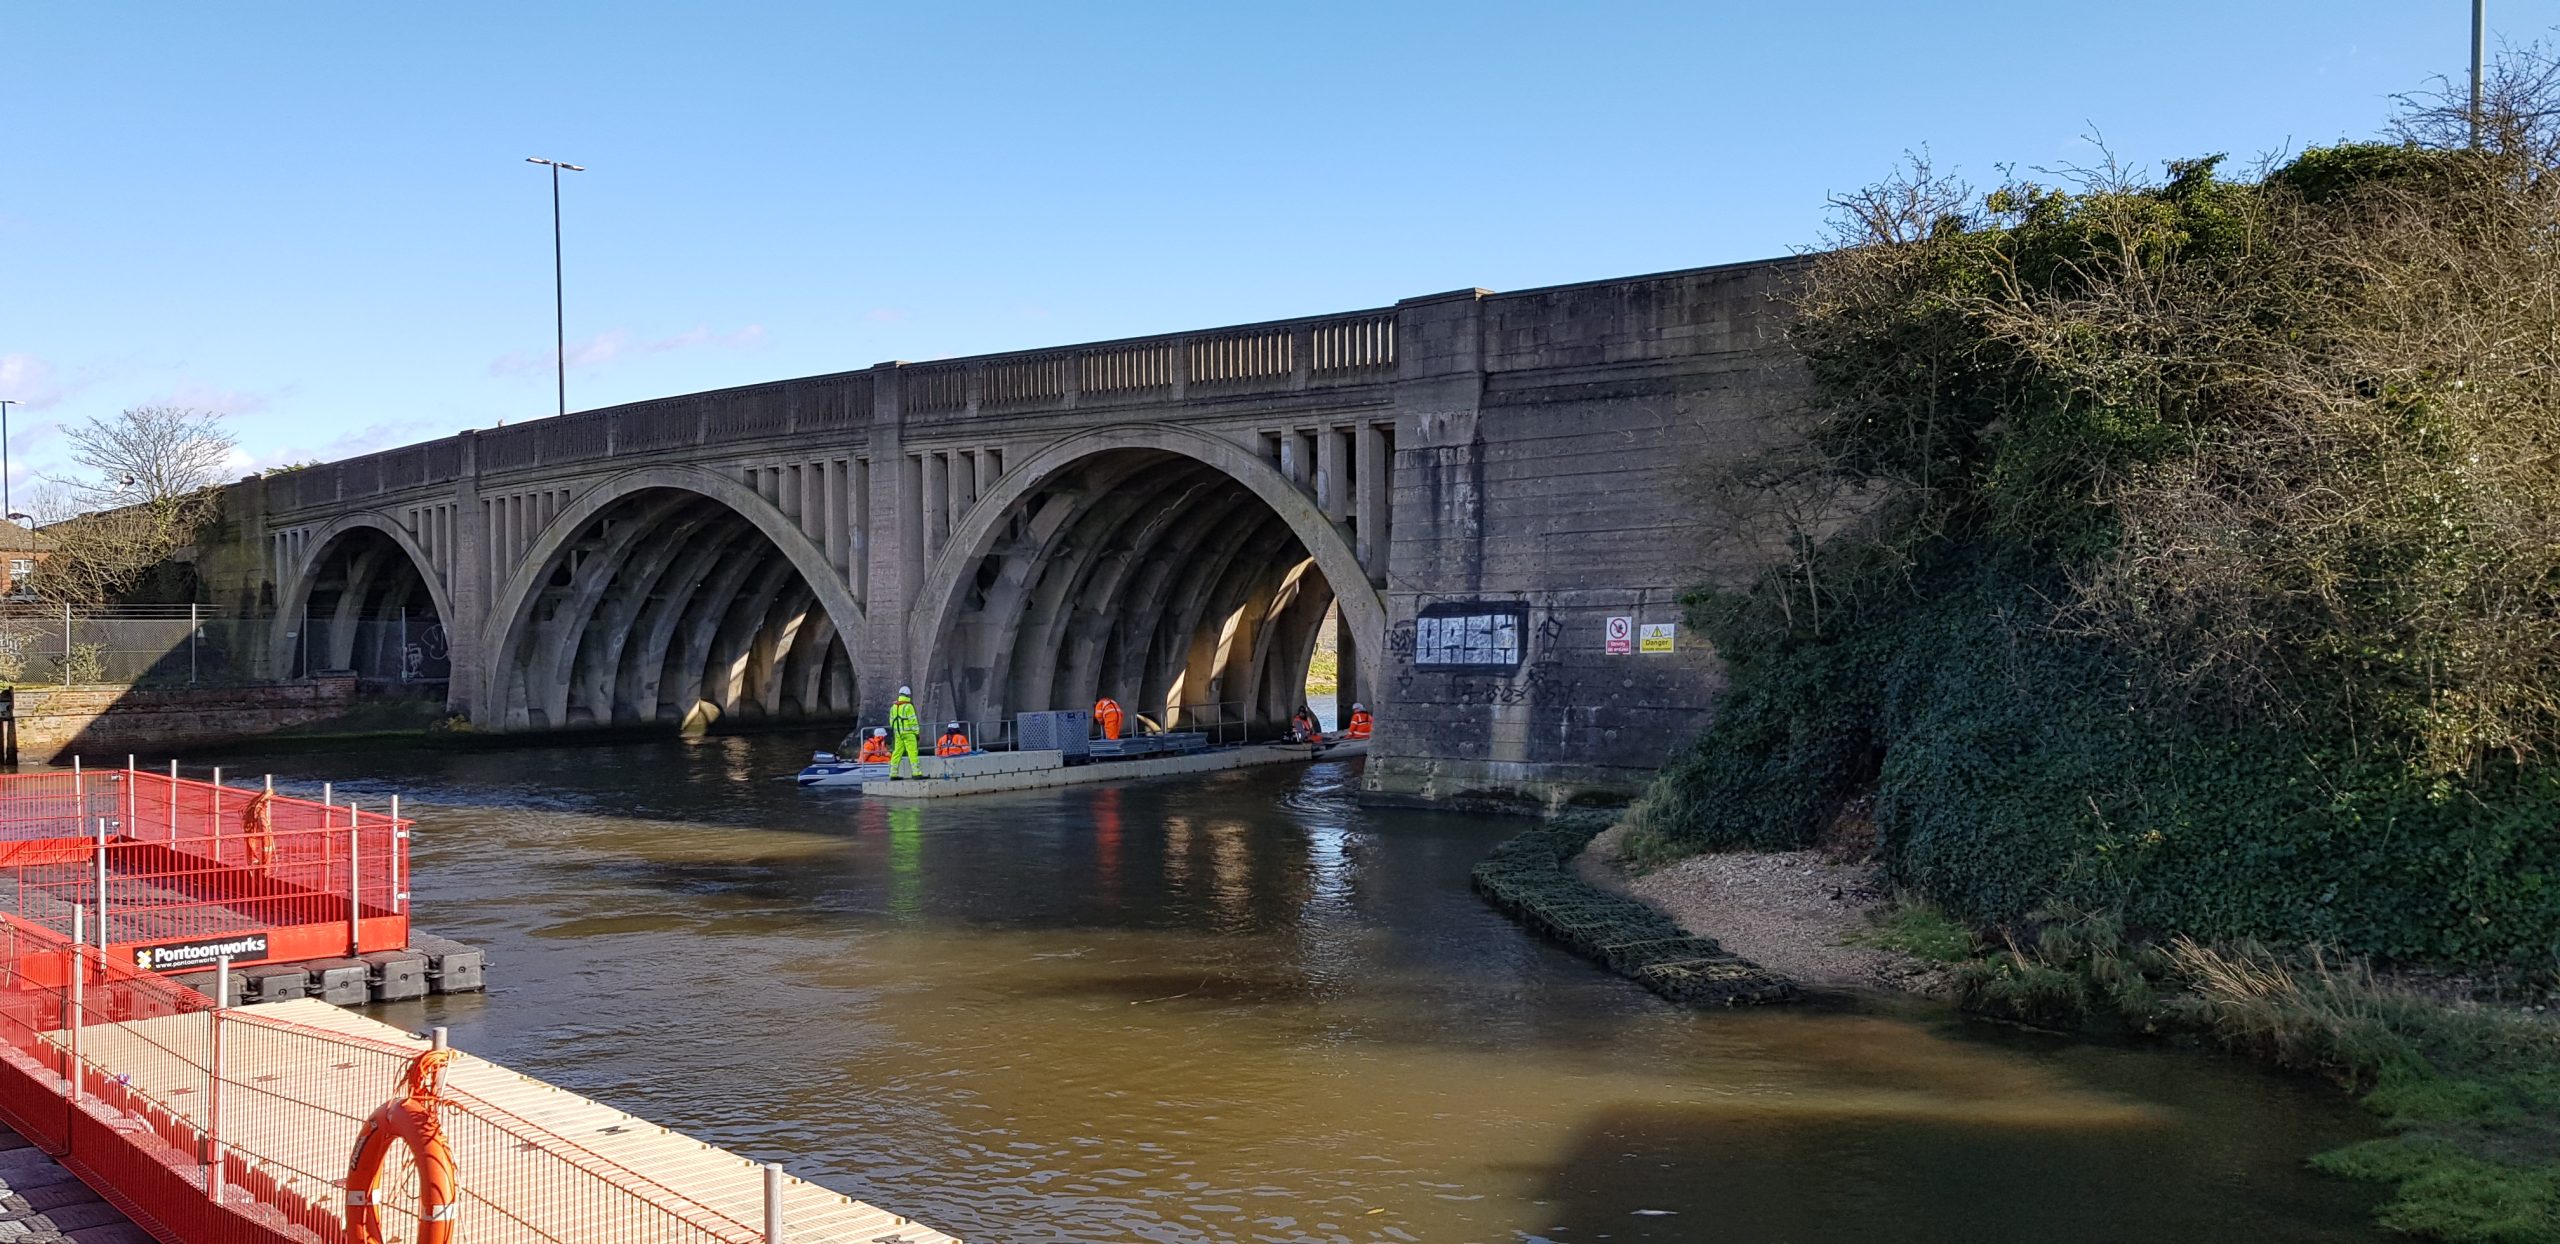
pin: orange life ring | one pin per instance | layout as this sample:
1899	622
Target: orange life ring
410	1119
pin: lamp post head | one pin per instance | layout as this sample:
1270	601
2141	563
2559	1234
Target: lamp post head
560	164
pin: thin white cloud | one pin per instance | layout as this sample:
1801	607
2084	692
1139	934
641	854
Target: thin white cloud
349	444
198	396
616	343
31	383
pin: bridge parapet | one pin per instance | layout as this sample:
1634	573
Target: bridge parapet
1283	356
1251	360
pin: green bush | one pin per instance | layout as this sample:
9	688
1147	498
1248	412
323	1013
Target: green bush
2176	548
2009	772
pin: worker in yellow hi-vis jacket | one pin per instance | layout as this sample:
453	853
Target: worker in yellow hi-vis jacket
903	729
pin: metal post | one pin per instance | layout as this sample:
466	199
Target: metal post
102	889
173	803
214	1075
71	1020
399	859
222	981
132	796
355	881
442	1039
773	1203
213	819
6	506
195	627
404	643
66	643
79	791
559	302
2479	34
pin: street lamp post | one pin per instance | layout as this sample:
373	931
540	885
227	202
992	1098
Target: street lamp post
559	316
2479	31
5	507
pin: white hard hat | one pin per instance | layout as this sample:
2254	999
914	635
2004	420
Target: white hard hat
953	726
1359	708
877	731
904	691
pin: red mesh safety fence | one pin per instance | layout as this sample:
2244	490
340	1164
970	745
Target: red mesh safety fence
224	1126
172	872
213	1126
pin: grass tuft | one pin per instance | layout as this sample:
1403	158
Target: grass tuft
1918	928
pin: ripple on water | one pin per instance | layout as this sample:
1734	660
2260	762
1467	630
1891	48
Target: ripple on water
1246	1008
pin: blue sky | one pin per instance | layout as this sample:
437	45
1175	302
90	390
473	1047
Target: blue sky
317	218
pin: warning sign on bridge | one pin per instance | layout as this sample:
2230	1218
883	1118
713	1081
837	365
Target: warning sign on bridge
1657	636
1622	636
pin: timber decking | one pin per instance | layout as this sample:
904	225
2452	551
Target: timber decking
275	1089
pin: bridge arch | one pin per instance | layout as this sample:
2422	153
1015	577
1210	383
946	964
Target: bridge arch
669	595
337	611
1159	565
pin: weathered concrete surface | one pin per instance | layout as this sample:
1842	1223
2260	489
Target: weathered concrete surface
988	764
107	722
1557	439
1162	520
1043	776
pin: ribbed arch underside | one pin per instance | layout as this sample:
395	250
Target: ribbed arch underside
671	608
360	584
1144	575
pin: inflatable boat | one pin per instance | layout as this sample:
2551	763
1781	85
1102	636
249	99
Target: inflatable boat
829	769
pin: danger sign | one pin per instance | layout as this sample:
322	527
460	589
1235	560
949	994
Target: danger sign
1622	636
1657	636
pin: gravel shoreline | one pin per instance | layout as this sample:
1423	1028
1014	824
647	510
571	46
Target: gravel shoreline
1795	913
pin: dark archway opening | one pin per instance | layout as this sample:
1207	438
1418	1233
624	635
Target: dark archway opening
1144	575
371	610
669	608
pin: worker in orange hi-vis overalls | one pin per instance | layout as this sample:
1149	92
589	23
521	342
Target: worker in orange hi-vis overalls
1361	722
875	748
1106	714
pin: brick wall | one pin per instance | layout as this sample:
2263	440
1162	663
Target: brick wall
104	723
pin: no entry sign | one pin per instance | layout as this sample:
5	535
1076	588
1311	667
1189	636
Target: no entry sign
1622	636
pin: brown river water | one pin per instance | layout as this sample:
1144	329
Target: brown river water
1245	1008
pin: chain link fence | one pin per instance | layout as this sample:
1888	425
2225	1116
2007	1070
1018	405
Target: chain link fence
186	645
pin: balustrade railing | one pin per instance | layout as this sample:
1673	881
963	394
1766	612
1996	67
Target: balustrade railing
1358	348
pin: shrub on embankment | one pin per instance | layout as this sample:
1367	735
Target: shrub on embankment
2188	548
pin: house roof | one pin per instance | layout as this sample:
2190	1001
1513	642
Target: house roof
16	538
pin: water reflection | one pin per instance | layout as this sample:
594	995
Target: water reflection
1243	1008
906	861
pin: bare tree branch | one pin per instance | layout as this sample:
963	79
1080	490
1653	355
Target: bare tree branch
149	453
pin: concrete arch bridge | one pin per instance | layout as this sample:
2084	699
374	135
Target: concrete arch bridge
1475	483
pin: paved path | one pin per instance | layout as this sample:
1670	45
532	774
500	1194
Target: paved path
41	1203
